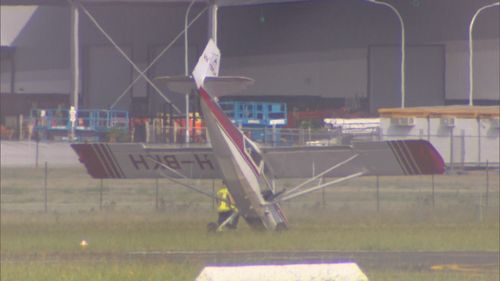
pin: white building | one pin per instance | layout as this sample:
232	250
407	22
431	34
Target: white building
464	135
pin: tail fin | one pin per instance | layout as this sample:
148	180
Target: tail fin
208	64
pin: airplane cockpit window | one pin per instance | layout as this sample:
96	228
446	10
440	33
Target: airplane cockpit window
256	157
253	153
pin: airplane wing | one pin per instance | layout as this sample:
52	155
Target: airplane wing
131	160
384	158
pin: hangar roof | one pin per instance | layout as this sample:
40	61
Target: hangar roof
220	2
462	111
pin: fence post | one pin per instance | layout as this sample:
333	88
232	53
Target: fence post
37	154
323	194
45	188
479	140
273	136
378	194
487	184
480	205
100	195
433	193
462	150
20	127
156	195
172	132
213	192
452	150
428	128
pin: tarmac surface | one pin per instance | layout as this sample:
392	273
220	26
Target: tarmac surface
402	261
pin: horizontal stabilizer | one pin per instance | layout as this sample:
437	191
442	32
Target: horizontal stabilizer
218	86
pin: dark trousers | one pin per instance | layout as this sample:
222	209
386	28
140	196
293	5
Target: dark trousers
223	216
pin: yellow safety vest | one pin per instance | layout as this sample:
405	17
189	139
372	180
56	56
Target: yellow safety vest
224	199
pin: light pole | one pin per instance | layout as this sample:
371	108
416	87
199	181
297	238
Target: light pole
212	20
403	48
471	51
186	66
75	65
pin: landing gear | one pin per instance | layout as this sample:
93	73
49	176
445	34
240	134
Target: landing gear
280	227
230	223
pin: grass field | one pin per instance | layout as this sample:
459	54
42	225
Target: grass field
128	216
129	271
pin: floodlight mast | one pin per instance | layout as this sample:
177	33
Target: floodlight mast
212	20
403	48
212	34
186	70
471	51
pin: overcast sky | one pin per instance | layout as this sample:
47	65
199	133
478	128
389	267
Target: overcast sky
12	20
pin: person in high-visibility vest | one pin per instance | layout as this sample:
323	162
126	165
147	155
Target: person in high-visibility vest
226	207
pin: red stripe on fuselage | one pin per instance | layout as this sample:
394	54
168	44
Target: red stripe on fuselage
234	134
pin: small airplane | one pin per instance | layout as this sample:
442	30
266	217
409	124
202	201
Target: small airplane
248	169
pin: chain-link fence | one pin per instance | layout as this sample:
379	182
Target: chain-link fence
263	135
474	195
458	149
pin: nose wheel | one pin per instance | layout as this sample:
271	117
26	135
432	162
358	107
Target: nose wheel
280	227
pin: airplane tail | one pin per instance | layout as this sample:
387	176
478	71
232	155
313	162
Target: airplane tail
208	64
208	67
206	76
